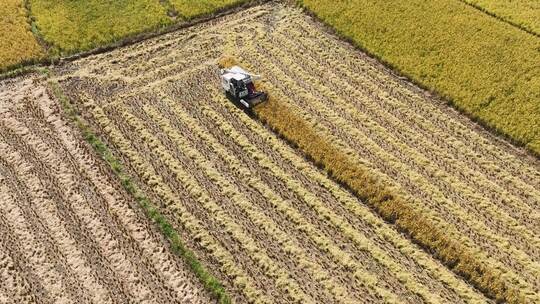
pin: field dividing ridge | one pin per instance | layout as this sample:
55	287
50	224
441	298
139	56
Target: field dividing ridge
524	14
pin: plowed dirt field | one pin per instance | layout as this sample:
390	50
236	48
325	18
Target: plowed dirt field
68	232
274	227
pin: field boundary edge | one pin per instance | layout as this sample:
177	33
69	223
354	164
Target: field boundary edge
500	18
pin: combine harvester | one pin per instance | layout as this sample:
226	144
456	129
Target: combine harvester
240	87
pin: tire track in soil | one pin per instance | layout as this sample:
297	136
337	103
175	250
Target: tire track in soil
18	282
37	257
127	219
54	212
113	226
289	169
223	261
268	180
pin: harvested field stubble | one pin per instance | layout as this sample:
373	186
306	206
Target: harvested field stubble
274	227
68	232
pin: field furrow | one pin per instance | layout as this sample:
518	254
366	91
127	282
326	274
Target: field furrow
70	239
170	273
19	283
369	223
35	253
522	195
196	188
179	212
302	196
158	149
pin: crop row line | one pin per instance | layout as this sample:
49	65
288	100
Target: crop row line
346	131
377	113
281	277
357	209
47	203
33	252
429	115
345	109
256	214
99	236
324	213
128	219
274	198
469	221
392	207
148	174
481	228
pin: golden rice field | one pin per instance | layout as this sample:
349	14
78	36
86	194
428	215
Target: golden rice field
69	233
17	43
272	226
71	26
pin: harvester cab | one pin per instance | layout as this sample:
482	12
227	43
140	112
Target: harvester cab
240	87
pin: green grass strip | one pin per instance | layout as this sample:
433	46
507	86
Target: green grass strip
487	68
210	282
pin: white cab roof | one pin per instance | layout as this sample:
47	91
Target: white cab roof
235	72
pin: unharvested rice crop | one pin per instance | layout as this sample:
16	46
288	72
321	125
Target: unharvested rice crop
71	26
487	67
522	13
17	44
69	233
273	226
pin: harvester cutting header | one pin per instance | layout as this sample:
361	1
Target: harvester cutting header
240	87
